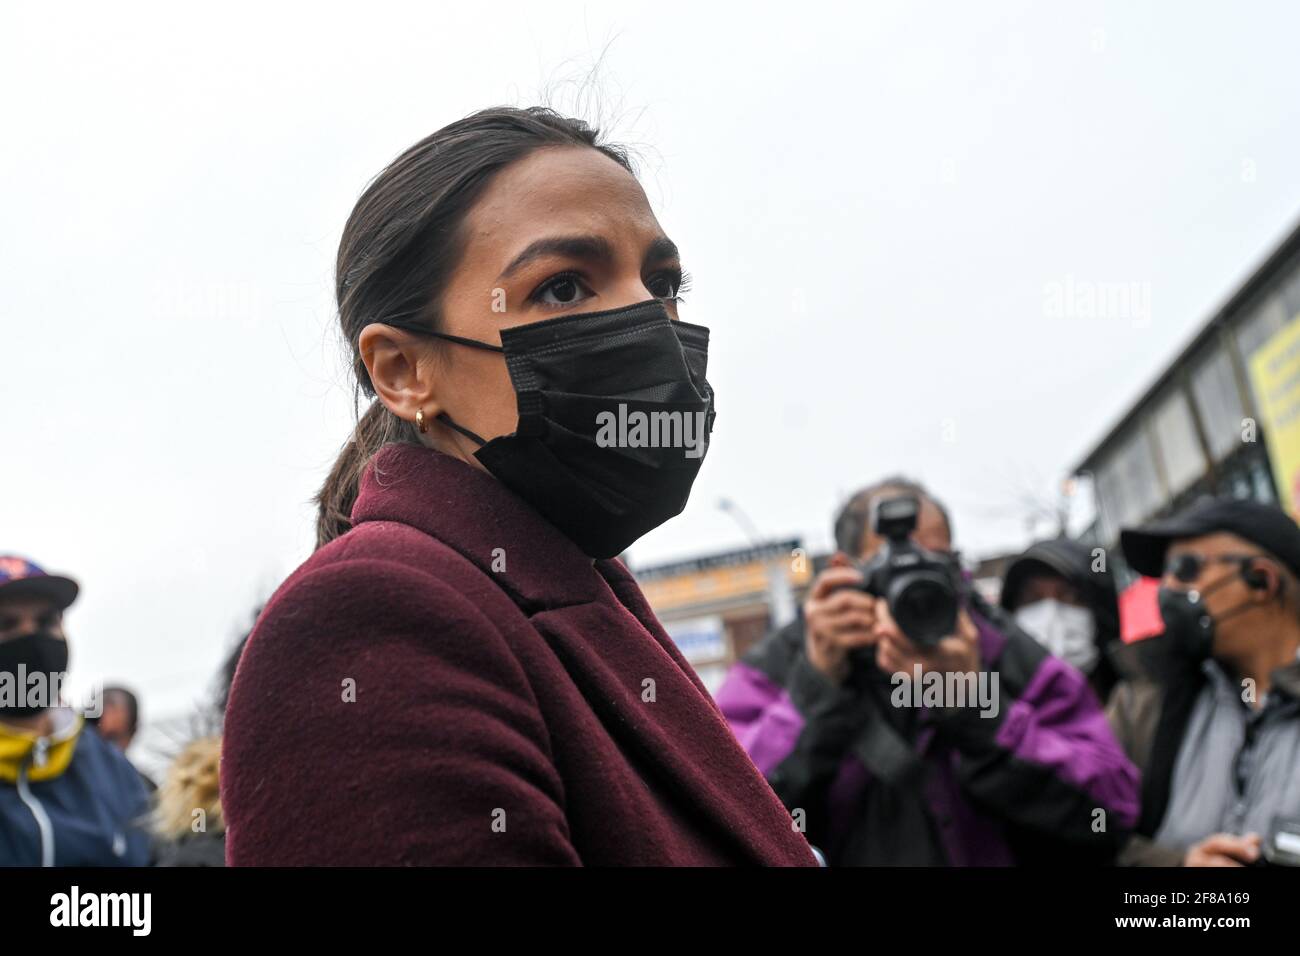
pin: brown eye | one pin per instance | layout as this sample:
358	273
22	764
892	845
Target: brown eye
662	287
566	289
668	285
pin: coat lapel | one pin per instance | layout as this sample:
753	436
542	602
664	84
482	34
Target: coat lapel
470	511
599	624
650	700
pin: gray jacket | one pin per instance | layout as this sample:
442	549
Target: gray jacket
1211	762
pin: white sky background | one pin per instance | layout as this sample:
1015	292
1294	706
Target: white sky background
873	199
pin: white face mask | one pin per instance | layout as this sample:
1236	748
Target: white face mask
1066	631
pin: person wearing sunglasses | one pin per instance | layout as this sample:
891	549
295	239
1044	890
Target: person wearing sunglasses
1215	724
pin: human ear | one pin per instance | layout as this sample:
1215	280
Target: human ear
1263	579
401	369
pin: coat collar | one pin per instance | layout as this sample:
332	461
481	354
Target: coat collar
44	758
687	741
472	512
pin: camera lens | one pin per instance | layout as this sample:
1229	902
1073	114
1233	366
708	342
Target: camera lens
925	606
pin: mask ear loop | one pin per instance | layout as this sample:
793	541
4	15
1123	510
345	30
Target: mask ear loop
459	340
446	420
472	343
1251	578
1216	584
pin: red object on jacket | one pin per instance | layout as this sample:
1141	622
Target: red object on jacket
454	682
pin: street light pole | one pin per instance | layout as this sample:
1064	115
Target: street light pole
742	519
780	597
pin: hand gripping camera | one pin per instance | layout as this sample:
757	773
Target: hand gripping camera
922	588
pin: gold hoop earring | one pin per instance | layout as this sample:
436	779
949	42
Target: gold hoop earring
420	423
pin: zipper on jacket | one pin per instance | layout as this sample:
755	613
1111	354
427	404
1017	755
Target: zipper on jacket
44	828
1243	765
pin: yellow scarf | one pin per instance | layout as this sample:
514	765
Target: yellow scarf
17	746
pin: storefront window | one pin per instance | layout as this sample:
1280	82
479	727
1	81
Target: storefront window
1106	492
1291	293
1180	449
1218	402
1267	318
1128	489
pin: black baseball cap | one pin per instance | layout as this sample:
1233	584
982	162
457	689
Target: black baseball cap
1267	526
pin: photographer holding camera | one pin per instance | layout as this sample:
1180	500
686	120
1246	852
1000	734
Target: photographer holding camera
879	771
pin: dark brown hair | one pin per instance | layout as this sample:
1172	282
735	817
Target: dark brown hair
400	247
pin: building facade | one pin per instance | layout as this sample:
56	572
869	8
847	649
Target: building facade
1223	418
717	606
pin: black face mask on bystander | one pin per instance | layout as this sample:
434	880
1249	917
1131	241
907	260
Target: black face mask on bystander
20	657
1188	622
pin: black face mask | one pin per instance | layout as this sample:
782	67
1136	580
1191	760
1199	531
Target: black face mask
1188	622
614	421
38	652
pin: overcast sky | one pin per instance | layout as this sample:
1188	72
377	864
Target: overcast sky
878	203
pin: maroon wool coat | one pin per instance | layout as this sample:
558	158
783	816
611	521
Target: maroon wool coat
401	702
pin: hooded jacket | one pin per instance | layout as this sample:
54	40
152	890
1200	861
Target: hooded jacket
454	682
69	799
1074	561
1037	777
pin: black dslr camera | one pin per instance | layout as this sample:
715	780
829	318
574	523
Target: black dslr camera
922	588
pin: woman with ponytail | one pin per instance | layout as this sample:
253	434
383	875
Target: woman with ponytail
464	672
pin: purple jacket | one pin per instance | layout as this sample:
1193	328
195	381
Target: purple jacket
1030	774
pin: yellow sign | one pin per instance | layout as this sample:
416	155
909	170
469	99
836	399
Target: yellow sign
1275	374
